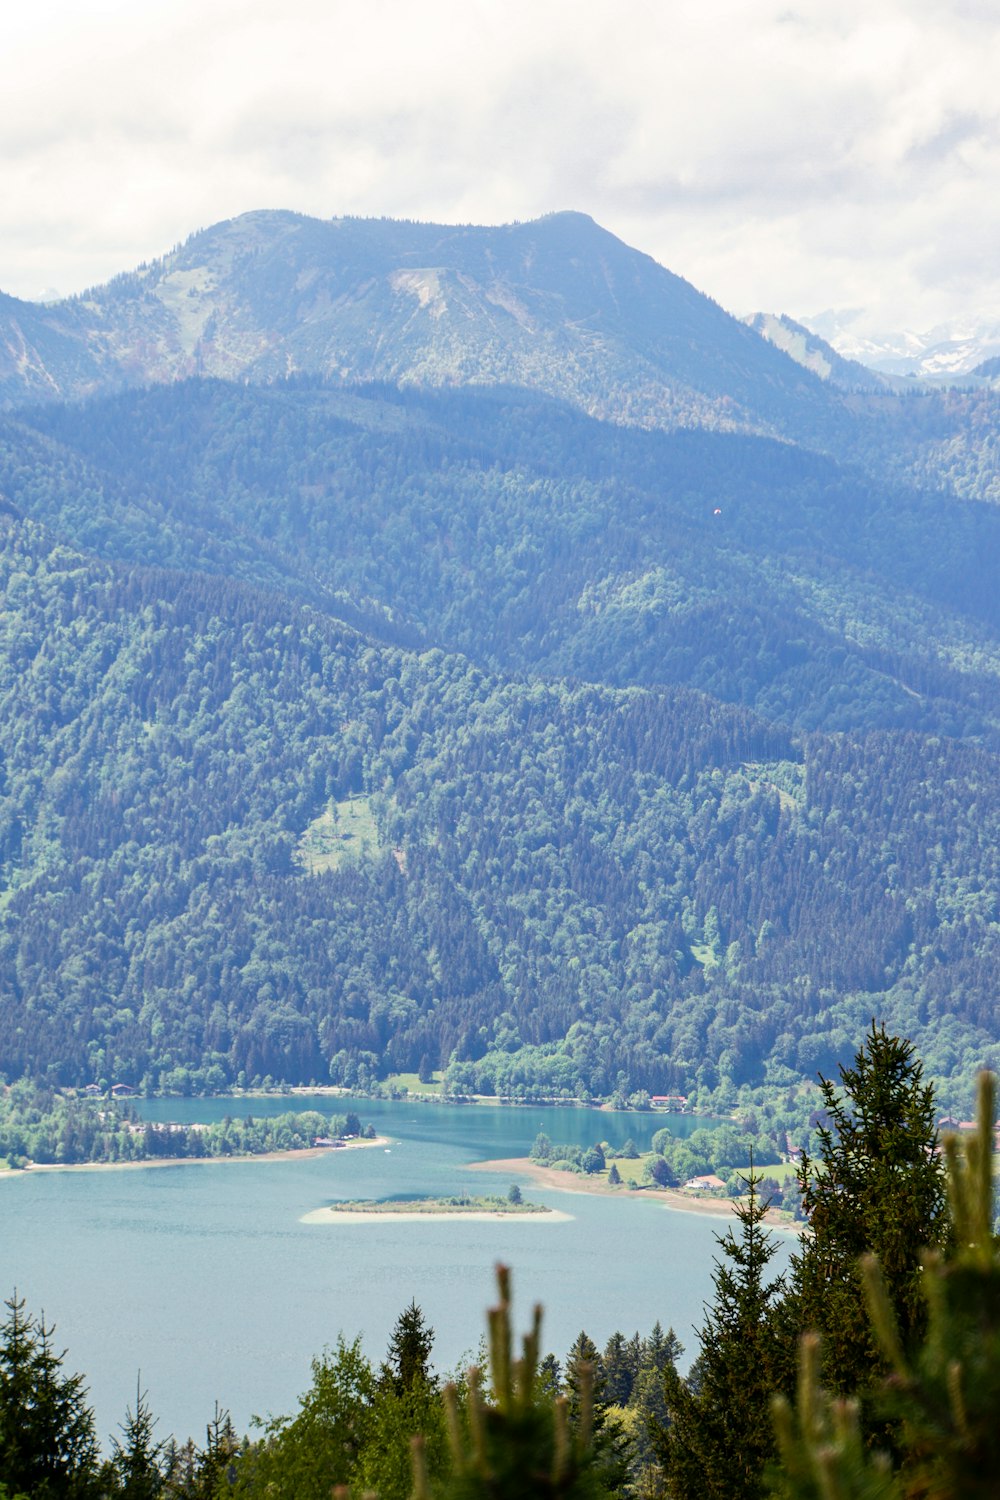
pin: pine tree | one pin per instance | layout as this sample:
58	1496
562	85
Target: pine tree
718	1437
619	1373
137	1461
48	1446
878	1188
409	1353
583	1356
945	1393
586	1392
221	1445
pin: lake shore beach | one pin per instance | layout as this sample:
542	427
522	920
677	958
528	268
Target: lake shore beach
570	1182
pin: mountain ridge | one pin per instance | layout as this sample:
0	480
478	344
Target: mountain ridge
558	304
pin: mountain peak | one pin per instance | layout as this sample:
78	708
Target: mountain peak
557	304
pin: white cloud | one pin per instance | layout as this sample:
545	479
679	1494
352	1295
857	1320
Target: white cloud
783	157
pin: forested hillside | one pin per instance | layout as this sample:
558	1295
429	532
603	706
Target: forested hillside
557	884
534	539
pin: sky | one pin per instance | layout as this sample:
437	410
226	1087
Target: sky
783	158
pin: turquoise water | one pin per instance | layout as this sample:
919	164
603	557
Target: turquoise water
204	1277
481	1128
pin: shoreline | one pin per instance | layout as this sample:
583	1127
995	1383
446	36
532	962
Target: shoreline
669	1198
490	1101
332	1215
306	1152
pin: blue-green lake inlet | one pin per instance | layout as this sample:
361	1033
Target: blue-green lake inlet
204	1278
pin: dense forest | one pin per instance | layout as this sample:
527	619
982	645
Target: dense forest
518	671
531	538
868	1369
562	885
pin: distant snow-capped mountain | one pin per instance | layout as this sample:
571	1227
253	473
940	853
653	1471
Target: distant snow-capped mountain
948	351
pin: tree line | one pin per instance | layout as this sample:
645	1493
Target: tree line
44	1127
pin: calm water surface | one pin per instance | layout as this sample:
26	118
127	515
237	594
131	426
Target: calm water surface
204	1277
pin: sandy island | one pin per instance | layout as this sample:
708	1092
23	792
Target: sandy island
332	1215
569	1182
189	1161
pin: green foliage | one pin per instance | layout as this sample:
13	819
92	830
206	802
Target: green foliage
41	1125
822	1451
48	1447
303	1457
878	1188
942	1390
519	1444
716	1439
547	860
410	1345
947	1391
194	1473
137	1458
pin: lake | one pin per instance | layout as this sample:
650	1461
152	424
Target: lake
204	1278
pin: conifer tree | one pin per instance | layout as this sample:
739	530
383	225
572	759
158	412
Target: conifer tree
409	1353
586	1389
878	1188
136	1458
718	1437
520	1445
48	1446
193	1473
945	1392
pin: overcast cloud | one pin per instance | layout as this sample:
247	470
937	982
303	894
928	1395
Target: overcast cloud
781	157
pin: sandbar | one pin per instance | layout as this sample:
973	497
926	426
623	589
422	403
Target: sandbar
303	1153
331	1215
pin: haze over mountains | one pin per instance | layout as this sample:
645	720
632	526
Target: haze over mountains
948	352
661	673
557	305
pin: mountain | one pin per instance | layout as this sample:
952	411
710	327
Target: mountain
815	354
944	353
989	369
46	354
531	538
558	305
472	646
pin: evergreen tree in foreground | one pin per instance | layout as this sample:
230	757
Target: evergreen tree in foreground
409	1352
519	1443
945	1392
194	1473
877	1189
718	1437
48	1446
